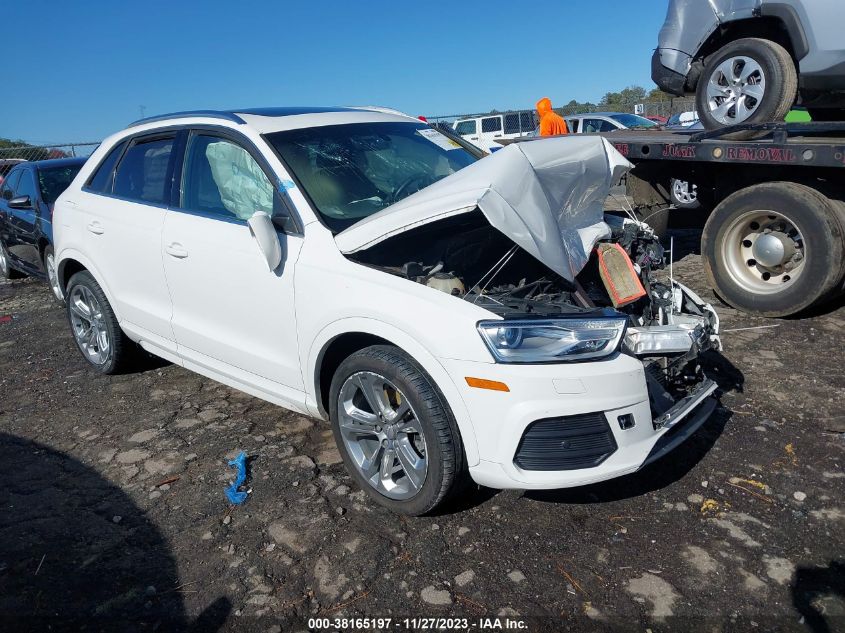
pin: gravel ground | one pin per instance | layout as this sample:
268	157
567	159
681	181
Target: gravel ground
113	507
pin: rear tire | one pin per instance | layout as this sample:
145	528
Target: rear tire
408	463
52	274
774	249
6	269
750	80
94	326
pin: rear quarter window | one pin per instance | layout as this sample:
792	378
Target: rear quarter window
101	180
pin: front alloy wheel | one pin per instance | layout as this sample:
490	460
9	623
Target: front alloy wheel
395	430
382	434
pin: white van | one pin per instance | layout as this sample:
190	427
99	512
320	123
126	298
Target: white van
485	131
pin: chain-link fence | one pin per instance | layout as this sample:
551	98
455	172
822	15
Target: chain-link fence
18	152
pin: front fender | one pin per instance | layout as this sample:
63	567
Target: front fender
412	347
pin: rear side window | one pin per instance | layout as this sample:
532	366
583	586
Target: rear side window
143	172
465	127
512	123
491	124
8	190
102	179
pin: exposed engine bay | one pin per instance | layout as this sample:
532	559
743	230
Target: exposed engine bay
668	326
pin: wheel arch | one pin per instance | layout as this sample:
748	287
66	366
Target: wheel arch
72	262
344	337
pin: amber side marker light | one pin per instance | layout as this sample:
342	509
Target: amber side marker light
481	383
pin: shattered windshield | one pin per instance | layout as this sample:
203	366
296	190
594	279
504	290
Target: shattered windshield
355	170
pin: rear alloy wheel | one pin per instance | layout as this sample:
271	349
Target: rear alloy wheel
94	325
394	430
774	249
53	273
6	269
750	80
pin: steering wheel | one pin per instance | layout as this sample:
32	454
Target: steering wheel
406	187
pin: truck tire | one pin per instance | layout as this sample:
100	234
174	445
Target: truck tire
750	80
774	249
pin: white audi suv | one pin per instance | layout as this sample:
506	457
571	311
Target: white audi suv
452	315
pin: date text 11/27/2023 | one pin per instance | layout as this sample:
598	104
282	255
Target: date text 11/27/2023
418	624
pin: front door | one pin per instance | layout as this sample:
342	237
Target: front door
231	314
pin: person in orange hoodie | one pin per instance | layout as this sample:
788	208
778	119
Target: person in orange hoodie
551	123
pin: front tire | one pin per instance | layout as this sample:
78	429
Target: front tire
95	327
751	80
774	249
6	269
394	430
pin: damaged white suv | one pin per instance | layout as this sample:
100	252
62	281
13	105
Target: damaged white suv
451	315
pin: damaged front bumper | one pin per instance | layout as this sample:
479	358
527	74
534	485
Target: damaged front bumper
565	425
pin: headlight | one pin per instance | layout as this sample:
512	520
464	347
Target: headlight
550	340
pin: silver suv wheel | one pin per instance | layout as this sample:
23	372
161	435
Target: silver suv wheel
382	435
88	325
735	88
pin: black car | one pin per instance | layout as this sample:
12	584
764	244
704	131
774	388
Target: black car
27	196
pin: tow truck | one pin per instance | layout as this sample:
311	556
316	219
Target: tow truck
774	243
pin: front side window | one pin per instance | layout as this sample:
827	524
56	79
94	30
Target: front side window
223	179
8	190
466	127
143	173
54	180
26	186
633	121
598	125
355	170
491	124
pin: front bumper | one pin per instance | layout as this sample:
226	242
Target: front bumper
616	388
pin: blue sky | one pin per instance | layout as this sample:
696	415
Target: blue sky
87	67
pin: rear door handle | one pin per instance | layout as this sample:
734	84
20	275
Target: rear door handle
176	250
96	228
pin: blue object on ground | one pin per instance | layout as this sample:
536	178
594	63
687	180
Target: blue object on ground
232	493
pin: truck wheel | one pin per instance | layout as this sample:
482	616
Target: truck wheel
684	194
395	431
750	80
774	249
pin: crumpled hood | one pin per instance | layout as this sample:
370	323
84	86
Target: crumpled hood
546	195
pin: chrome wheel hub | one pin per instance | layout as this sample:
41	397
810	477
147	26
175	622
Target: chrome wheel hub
735	90
382	435
684	192
763	251
88	325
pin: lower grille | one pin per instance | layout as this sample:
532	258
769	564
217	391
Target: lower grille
566	443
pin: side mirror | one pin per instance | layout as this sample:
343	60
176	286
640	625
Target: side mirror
264	232
21	202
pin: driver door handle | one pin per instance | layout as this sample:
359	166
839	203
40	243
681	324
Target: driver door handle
96	228
175	249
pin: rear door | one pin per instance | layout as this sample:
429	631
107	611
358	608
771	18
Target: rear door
22	243
122	214
230	313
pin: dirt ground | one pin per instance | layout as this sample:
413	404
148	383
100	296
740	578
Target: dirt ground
114	516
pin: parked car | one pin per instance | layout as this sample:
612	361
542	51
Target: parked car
746	61
356	266
683	120
607	122
27	198
486	131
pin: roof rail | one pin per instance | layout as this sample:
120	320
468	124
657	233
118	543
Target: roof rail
211	114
